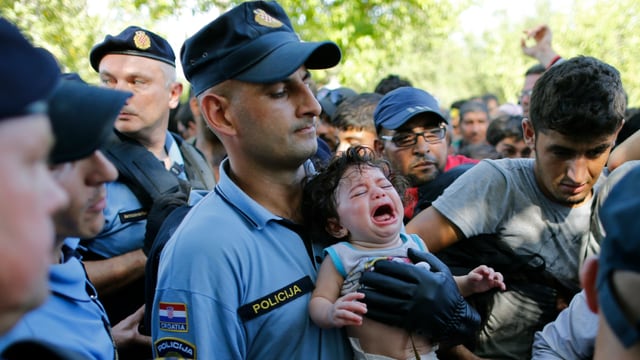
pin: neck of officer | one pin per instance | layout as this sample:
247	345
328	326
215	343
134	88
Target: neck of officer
57	250
154	141
278	190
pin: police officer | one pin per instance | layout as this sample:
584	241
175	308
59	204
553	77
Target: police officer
28	195
151	161
235	279
73	310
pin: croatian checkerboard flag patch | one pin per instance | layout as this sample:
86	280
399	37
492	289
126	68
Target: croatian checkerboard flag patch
173	317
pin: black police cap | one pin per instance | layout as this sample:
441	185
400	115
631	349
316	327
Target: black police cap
253	42
28	74
82	117
135	41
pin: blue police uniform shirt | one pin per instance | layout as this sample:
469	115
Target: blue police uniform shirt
125	220
234	282
71	317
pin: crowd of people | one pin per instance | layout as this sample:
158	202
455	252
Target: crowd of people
314	223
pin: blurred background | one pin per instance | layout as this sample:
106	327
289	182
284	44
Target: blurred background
454	49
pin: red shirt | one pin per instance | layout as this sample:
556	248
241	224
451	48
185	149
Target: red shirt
411	195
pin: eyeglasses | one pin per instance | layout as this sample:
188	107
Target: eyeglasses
524	93
406	139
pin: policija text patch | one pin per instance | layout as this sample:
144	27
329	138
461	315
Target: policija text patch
276	299
173	347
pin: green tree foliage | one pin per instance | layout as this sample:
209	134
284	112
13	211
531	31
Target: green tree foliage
377	36
63	27
422	40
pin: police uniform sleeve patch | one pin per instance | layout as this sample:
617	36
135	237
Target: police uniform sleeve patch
276	299
174	348
173	317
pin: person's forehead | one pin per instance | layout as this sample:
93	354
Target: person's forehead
473	115
31	131
121	64
557	139
530	80
511	140
38	122
355	174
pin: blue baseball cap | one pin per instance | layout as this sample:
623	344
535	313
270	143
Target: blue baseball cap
620	250
136	41
82	117
28	74
398	106
253	42
330	99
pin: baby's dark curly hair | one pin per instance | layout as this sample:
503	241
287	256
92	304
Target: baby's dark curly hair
319	201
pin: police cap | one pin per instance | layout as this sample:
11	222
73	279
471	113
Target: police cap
28	74
253	42
135	41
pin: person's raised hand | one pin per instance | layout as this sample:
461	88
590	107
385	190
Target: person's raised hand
541	49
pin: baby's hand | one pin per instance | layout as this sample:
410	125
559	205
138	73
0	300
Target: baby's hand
484	278
347	311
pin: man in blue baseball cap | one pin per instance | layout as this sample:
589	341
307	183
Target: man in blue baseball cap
235	279
412	137
29	195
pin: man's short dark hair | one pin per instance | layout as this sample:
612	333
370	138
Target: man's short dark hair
503	127
357	112
581	98
535	69
473	106
391	82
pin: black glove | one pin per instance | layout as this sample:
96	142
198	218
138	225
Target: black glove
423	301
161	208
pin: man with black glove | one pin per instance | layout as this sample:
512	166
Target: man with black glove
425	301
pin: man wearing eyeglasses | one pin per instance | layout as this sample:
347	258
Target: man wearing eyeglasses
411	136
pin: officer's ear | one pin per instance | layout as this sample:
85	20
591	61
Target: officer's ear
378	146
335	229
588	276
529	133
215	111
176	93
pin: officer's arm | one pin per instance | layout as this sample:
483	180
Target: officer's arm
435	229
111	274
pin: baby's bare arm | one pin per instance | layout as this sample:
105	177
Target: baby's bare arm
326	308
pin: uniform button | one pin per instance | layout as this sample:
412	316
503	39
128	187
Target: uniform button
318	259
